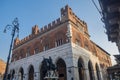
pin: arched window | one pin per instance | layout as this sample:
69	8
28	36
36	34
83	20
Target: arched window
36	47
78	42
59	42
77	39
81	69
28	52
36	50
59	39
61	69
21	54
91	71
46	43
98	72
21	73
86	44
46	46
31	73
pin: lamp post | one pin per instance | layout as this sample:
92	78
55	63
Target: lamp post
15	28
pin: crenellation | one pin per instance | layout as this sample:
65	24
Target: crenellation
72	14
36	31
27	38
49	25
53	23
45	28
78	18
42	29
63	9
24	39
58	20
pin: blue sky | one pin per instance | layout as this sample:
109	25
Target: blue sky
43	12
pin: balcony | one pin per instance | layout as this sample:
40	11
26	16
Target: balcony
114	27
113	2
112	36
105	4
113	15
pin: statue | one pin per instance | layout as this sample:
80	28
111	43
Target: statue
50	70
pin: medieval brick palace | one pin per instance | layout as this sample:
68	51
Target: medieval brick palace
67	41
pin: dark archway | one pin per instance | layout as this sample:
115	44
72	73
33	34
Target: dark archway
21	73
31	73
61	69
91	71
81	69
98	72
42	72
13	74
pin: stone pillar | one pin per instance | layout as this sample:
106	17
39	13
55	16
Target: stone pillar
25	68
69	69
100	75
36	71
86	70
71	73
36	76
74	69
86	74
76	73
96	78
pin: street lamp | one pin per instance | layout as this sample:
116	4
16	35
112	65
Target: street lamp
15	28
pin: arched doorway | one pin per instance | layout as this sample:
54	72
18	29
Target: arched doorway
21	73
91	71
98	72
31	73
13	74
61	69
42	72
81	69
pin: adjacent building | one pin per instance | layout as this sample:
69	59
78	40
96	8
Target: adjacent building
67	41
2	68
111	18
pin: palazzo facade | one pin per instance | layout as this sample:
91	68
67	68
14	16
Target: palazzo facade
67	41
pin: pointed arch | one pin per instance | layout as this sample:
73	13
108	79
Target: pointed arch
61	65
98	72
81	69
42	72
13	74
78	39
36	47
59	38
91	71
31	73
21	73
